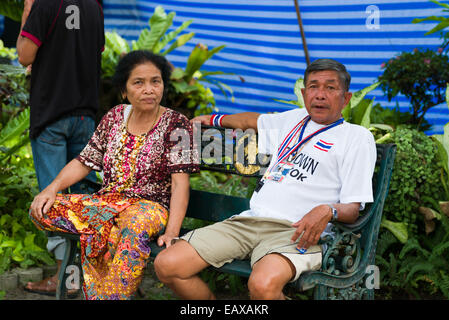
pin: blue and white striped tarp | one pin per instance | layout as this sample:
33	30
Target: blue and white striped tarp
264	46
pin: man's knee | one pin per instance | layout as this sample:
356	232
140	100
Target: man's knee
179	261
166	265
264	286
269	277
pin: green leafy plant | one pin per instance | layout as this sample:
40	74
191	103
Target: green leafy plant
387	252
20	243
14	95
156	39
12	9
115	47
358	110
415	179
443	23
9	53
421	76
440	206
418	267
187	91
427	261
13	137
442	142
398	229
393	117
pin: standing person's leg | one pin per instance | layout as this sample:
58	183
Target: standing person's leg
49	156
80	132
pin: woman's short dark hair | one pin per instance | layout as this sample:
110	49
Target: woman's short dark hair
332	65
131	60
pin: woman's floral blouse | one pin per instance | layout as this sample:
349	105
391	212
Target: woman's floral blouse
141	165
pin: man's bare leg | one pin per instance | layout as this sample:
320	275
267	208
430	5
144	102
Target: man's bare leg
178	266
269	276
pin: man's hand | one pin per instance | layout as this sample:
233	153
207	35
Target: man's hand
311	226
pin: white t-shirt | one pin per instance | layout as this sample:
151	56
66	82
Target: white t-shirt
335	166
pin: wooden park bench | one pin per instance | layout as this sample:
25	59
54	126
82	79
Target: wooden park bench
348	268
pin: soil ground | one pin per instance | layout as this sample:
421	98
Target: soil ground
150	289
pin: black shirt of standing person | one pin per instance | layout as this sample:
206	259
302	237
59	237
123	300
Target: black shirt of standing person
65	74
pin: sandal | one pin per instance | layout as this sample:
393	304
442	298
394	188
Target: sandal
48	287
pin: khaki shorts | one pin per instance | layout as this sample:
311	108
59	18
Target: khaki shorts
251	238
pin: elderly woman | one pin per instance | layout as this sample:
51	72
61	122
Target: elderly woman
145	188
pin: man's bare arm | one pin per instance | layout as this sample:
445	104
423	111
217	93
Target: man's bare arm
244	120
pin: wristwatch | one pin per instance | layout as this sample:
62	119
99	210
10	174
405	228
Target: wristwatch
334	213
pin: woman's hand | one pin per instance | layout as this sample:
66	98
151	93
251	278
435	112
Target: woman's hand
178	206
42	203
204	119
73	172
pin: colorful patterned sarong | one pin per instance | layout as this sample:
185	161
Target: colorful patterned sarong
115	232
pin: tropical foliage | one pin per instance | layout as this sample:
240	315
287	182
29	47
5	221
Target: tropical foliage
12	9
9	53
420	76
20	244
443	23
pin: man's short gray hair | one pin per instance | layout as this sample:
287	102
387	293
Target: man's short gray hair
329	65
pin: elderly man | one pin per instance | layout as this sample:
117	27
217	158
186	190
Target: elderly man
320	172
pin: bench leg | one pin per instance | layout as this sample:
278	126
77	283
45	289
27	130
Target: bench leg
69	259
320	292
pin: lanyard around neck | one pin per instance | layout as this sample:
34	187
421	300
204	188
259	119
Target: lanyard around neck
284	153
